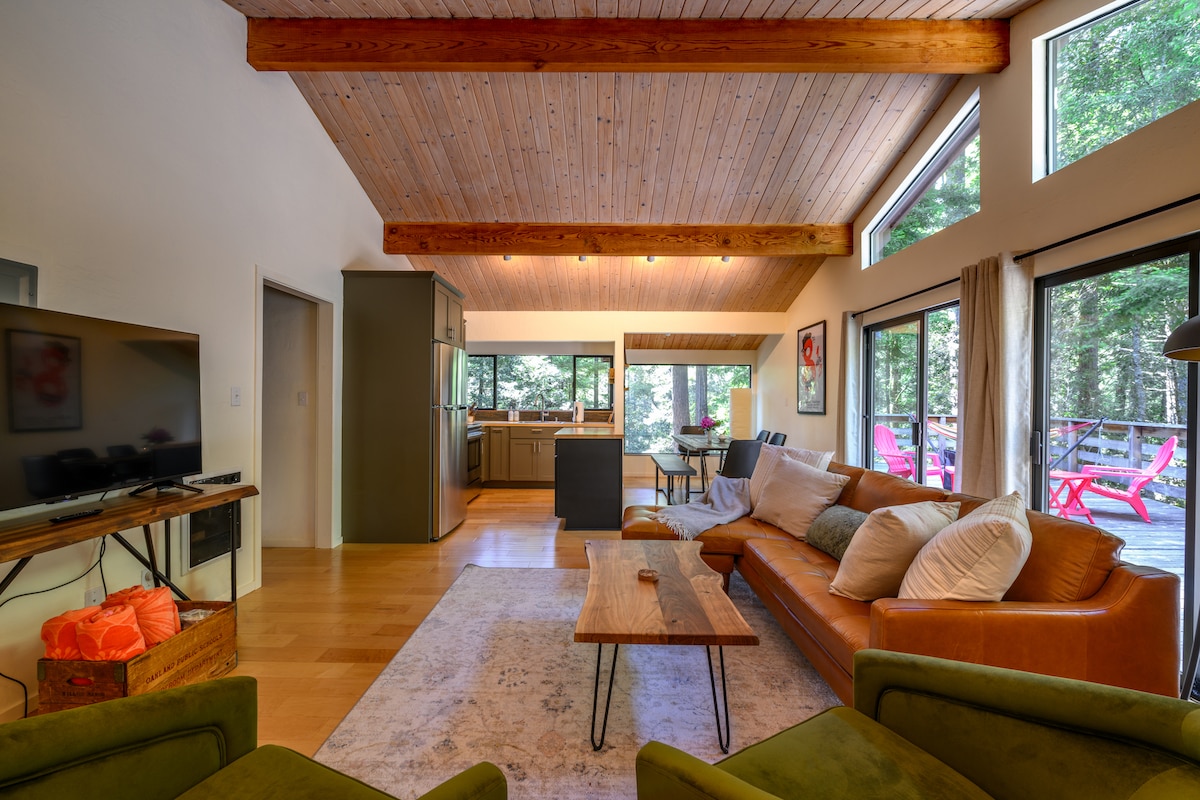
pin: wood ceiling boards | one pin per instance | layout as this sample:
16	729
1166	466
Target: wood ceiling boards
694	341
504	156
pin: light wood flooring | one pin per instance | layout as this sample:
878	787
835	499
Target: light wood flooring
326	622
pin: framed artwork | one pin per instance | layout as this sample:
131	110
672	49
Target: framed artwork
44	382
810	369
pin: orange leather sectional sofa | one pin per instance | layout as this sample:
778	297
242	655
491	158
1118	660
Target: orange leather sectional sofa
1075	610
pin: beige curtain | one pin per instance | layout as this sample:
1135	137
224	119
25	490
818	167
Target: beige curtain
995	351
849	422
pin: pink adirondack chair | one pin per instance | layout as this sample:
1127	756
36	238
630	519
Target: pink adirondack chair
1138	478
903	463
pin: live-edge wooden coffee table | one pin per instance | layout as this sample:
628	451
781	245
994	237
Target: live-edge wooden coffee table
686	605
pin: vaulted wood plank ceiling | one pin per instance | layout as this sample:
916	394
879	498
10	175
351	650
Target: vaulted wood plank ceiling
497	153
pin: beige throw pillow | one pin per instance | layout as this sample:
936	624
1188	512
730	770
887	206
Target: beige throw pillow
887	542
796	494
769	457
976	558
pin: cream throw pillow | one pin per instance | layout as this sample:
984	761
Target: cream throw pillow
768	459
796	494
887	542
976	558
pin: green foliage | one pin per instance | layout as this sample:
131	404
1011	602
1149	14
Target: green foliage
1106	338
895	366
953	196
518	380
650	401
1121	73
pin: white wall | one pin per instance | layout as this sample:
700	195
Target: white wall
1152	167
149	172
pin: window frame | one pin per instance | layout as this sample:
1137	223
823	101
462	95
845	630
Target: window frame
964	127
574	374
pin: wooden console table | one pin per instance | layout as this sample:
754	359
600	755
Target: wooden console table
22	539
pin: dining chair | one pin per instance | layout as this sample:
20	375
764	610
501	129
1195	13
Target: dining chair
778	438
741	458
764	435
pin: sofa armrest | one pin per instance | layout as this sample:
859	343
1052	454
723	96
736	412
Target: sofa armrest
1018	734
664	771
149	746
1127	634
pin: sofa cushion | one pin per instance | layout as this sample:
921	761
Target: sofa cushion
638	523
871	762
878	489
798	576
833	528
795	495
769	457
880	553
976	558
272	771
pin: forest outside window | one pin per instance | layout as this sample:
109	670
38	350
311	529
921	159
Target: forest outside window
660	398
516	381
942	192
1117	73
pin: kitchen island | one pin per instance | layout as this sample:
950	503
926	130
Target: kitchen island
587	477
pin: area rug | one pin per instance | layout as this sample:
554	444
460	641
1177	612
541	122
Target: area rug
493	674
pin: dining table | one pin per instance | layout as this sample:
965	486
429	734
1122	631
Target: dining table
702	445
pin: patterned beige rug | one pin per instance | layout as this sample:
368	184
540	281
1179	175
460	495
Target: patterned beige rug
492	674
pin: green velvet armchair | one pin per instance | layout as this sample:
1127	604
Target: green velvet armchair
194	742
930	728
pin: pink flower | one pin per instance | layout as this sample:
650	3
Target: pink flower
708	423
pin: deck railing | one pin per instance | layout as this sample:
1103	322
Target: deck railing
1116	443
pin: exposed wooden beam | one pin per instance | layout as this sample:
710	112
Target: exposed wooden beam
553	239
953	47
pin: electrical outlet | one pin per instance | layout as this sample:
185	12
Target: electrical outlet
147	580
93	596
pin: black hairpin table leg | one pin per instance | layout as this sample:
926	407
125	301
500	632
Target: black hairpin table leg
724	743
596	694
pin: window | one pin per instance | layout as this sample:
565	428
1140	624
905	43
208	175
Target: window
912	395
1113	418
1118	73
659	398
515	381
944	191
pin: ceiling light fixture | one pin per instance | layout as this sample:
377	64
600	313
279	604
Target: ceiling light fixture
650	259
508	258
725	259
583	258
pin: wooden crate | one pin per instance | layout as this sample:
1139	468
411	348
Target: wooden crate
203	650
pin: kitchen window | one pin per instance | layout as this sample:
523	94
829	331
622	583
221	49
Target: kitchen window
516	381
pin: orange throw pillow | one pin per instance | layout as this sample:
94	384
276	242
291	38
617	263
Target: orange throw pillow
157	614
59	633
110	634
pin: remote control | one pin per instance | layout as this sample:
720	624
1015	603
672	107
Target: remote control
90	512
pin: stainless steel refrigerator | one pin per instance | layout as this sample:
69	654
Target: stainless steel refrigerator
449	437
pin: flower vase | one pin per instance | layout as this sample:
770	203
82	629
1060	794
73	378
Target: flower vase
708	435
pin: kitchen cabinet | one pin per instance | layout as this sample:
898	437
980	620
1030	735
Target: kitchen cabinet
531	453
448	316
496	439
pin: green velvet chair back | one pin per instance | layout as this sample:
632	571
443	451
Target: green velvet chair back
150	747
1018	735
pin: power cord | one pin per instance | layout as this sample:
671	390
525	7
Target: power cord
103	584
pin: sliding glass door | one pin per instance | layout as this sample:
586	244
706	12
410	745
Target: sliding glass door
911	384
1114	418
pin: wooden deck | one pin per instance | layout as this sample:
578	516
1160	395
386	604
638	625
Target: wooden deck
1158	543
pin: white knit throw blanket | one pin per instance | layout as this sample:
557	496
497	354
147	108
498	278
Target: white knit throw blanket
726	500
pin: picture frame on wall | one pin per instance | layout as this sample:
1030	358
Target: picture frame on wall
810	369
44	382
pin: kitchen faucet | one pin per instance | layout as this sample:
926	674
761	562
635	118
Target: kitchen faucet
541	398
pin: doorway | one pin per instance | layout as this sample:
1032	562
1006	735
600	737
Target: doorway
290	405
911	380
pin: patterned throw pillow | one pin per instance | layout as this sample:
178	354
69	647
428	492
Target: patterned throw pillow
832	530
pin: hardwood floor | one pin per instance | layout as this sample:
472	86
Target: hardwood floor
326	622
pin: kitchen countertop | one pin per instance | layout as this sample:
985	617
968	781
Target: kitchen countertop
586	431
548	423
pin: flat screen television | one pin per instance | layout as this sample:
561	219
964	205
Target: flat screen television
91	405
